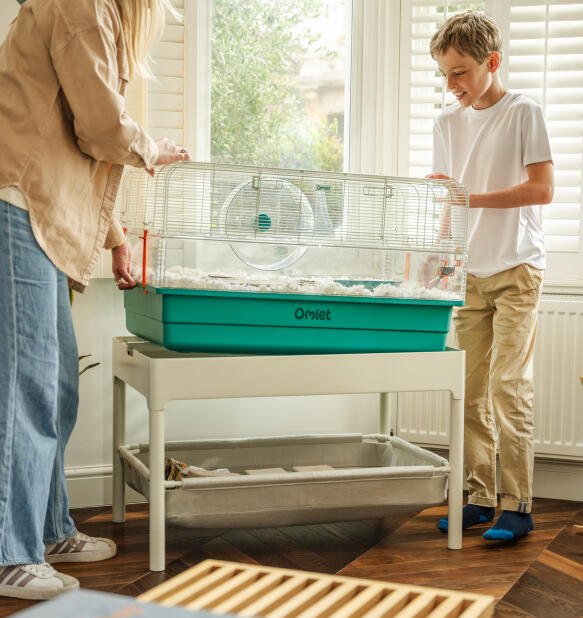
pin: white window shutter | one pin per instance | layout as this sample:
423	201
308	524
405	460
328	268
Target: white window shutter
543	58
158	105
421	92
545	62
165	95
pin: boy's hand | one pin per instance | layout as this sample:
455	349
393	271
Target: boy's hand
445	223
428	271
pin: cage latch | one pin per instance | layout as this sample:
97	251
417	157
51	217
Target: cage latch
144	259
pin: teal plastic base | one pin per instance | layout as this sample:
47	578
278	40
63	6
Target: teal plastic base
207	321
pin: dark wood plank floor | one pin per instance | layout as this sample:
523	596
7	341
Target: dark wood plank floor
541	575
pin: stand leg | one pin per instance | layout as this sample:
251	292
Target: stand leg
456	462
387	412
157	501
118	480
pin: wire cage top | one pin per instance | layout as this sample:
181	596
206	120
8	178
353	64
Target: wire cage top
298	224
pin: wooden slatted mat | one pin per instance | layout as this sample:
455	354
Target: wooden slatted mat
249	590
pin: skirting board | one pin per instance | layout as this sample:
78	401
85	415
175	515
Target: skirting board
92	487
553	478
559	480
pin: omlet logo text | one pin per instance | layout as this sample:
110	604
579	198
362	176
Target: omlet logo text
318	314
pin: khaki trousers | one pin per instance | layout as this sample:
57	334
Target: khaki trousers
497	328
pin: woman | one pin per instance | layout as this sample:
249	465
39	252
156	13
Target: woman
64	138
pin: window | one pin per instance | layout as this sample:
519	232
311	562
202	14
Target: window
394	89
545	62
278	75
543	58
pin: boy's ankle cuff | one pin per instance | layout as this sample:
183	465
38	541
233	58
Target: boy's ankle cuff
512	504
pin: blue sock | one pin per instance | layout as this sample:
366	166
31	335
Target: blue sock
511	525
472	514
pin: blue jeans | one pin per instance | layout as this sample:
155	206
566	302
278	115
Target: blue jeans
38	394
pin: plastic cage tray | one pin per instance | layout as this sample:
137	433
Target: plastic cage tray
213	321
369	476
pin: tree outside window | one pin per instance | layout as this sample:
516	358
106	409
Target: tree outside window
277	89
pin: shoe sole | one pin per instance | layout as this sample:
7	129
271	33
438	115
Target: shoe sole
82	556
69	583
14	592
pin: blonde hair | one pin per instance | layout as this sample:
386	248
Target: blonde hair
143	22
471	33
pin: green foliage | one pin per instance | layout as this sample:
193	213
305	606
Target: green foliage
257	115
329	149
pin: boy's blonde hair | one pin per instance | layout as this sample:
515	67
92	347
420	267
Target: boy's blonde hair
471	33
143	22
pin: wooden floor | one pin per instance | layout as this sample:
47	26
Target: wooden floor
541	575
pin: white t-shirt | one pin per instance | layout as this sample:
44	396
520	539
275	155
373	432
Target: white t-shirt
488	150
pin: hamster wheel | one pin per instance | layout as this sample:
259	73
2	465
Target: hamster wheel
267	221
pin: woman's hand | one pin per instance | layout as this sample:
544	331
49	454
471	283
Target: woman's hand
169	152
439	177
121	258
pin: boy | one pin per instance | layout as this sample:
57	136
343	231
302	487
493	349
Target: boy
495	143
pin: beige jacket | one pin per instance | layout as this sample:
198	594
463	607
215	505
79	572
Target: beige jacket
64	132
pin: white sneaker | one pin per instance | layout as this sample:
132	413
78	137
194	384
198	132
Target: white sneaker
80	548
35	582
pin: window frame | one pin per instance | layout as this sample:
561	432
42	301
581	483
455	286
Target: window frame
197	78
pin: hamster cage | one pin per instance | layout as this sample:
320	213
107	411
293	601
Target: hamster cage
246	259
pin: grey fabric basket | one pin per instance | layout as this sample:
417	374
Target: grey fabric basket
373	476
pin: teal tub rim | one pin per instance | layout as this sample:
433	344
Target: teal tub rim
304	297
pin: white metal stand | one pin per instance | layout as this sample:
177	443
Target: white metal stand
162	376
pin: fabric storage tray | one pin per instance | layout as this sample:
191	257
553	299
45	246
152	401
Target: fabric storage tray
372	476
240	322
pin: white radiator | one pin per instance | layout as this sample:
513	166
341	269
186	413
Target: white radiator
558	363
